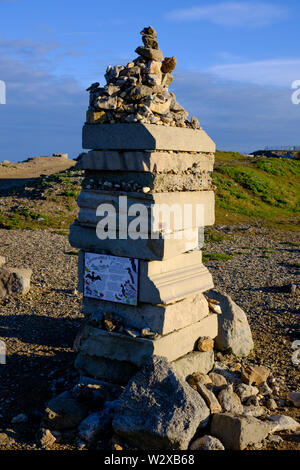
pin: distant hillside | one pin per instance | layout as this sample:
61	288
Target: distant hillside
249	190
262	190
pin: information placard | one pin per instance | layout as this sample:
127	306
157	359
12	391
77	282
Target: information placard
111	278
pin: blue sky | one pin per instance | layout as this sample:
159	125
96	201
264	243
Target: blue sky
236	63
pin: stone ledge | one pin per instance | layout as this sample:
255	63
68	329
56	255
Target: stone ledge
156	162
116	346
156	182
85	238
120	372
90	200
161	319
145	137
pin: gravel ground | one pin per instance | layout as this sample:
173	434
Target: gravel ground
39	329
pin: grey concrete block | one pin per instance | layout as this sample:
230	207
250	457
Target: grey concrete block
201	205
154	162
145	137
161	319
85	238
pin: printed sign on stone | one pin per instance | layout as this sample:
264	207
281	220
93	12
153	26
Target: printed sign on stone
111	278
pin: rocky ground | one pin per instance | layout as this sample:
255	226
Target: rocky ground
39	329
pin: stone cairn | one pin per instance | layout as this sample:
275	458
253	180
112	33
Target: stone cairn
143	146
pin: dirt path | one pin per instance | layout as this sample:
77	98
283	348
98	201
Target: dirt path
18	174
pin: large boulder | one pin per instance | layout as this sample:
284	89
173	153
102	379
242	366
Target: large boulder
234	332
159	410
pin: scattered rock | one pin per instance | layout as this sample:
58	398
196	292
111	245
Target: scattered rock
47	439
210	398
64	412
231	377
2	261
237	432
6	440
283	423
230	401
207	443
271	404
275	439
218	381
158	410
253	410
264	389
255	375
245	391
96	425
19	419
234	330
198	378
294	397
205	344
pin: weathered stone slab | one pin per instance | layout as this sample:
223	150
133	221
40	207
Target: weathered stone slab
237	432
100	343
85	238
179	278
163	282
14	281
173	215
152	416
161	319
145	137
156	182
112	371
194	361
154	162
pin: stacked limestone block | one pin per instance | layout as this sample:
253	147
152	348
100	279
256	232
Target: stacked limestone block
149	163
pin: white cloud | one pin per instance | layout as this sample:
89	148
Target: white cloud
280	72
239	116
232	14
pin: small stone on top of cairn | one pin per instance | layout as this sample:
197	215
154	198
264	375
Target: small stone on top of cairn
138	92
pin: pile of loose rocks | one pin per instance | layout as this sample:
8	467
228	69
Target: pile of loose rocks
228	403
138	92
227	407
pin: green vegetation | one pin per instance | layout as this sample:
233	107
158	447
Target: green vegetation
215	257
257	189
48	202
